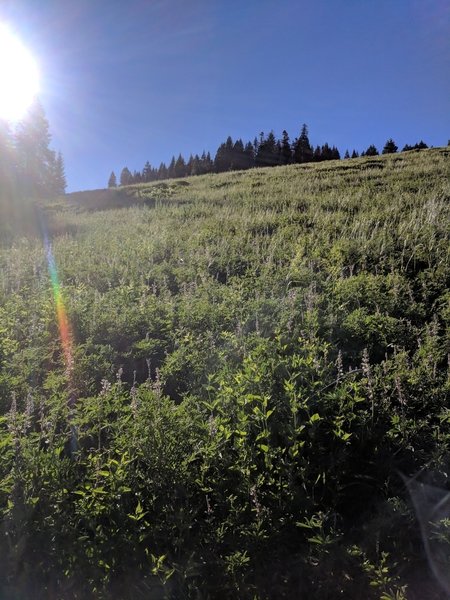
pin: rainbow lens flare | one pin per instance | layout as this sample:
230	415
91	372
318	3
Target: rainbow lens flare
65	332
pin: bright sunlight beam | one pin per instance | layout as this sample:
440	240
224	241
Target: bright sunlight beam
19	76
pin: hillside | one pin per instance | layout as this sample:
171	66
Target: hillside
229	386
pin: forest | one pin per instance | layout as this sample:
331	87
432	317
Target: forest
233	385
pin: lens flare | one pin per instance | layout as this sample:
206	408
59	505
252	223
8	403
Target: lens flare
19	76
61	312
65	332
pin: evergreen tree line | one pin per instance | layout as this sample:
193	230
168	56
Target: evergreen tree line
390	147
27	164
267	151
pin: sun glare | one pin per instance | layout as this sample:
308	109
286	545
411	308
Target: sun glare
19	77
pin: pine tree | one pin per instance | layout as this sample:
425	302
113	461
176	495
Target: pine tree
285	150
390	147
126	176
59	183
238	156
268	153
346	155
206	165
136	177
180	167
34	159
163	171
371	151
189	165
327	153
196	167
335	154
147	172
112	181
209	163
255	146
249	152
355	154
303	151
317	154
171	168
224	156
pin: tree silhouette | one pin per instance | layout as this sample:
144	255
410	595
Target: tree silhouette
59	183
171	168
249	152
180	167
34	159
390	147
224	156
147	172
285	150
125	176
112	181
303	151
371	151
268	152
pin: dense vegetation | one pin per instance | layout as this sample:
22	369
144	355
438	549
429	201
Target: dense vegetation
251	398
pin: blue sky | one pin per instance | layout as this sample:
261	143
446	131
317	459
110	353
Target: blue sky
128	81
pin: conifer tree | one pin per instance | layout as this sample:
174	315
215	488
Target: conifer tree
136	177
224	156
355	154
163	172
346	155
326	152
268	154
255	146
147	172
249	152
238	156
125	176
285	150
196	168
371	151
302	151
390	147
209	163
34	159
335	154
317	154
59	182
112	181
171	168
180	167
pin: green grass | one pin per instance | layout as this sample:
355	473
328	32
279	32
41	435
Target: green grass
259	360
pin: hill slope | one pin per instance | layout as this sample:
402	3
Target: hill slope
218	383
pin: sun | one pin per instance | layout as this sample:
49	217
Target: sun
19	76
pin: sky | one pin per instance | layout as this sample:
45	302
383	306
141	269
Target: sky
123	82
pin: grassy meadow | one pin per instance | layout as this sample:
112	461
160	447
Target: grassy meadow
229	386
